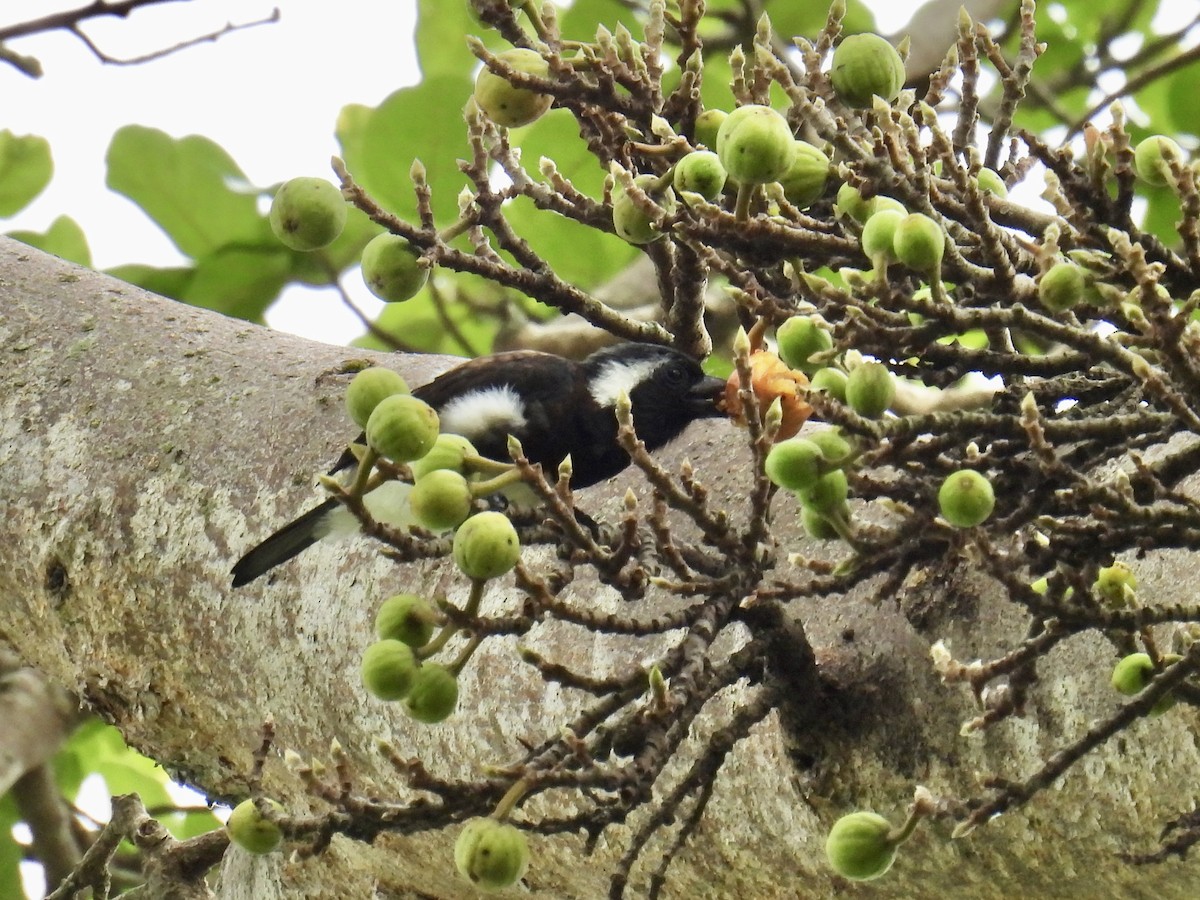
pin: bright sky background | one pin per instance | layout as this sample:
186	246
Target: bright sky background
269	95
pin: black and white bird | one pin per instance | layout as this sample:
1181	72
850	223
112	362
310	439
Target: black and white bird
554	406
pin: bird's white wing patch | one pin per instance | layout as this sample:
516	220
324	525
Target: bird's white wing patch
493	410
388	504
619	377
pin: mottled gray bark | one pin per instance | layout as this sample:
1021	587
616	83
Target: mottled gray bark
144	445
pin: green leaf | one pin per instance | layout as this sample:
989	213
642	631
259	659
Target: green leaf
1182	88
167	282
96	747
76	757
1161	103
858	18
579	23
1162	214
11	853
239	281
133	773
718	365
190	824
577	253
124	770
791	19
351	126
975	339
64	238
25	170
417	323
190	186
236	281
418	122
441	38
714	86
96	740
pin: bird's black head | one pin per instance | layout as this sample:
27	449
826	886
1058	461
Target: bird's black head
668	389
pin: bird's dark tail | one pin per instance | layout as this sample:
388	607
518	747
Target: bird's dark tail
288	541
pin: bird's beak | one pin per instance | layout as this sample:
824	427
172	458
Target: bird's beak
704	395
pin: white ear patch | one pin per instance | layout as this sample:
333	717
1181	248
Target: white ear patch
493	410
617	378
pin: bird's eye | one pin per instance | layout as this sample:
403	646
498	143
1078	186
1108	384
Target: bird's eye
676	375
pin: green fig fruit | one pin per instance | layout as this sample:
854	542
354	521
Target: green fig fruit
850	202
966	498
391	268
307	213
388	669
830	380
870	389
1150	159
440	500
701	173
804	181
800	338
491	854
1061	286
433	694
251	830
756	145
990	182
794	464
919	243
1116	585
860	846
630	221
1133	672
817	526
835	448
878	236
402	428
708	123
505	103
866	66
827	495
449	452
368	388
408	618
486	545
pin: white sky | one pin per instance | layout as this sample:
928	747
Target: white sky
269	95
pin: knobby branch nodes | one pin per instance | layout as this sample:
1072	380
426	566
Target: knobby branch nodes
940	379
997	387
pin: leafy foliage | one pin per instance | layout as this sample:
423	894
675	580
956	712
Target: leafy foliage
25	170
97	749
510	219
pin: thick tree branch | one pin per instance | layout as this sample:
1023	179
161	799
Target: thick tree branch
145	444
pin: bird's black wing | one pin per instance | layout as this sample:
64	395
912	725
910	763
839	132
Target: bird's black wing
538	378
528	372
550	390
